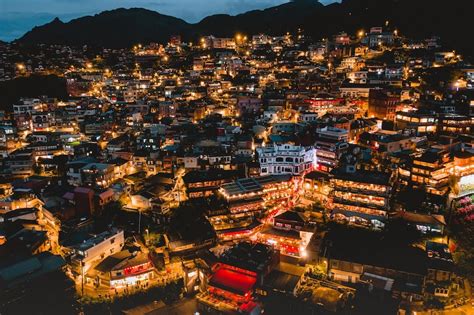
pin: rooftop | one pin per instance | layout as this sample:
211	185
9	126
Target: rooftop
233	281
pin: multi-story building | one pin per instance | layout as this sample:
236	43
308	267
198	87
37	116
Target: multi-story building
386	142
382	104
361	197
431	171
330	144
286	159
251	194
418	122
100	174
95	249
206	183
452	123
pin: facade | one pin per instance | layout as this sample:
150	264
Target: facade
431	171
252	194
286	159
122	270
418	122
361	197
95	249
330	144
383	104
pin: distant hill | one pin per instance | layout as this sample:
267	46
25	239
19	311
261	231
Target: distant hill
125	27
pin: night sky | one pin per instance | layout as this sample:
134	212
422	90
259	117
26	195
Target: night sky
19	16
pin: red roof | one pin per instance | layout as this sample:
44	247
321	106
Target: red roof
232	281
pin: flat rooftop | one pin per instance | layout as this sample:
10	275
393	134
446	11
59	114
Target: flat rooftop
232	281
254	184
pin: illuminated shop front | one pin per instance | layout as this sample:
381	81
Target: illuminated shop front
288	234
131	280
124	269
239	233
361	198
287	242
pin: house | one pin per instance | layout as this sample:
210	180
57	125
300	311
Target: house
94	249
122	269
286	159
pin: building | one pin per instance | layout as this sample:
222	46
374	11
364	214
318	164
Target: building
100	174
383	104
361	197
286	159
206	183
455	124
386	142
418	122
439	279
121	270
240	270
431	171
362	256
330	144
94	249
289	233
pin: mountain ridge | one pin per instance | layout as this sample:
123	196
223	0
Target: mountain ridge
125	27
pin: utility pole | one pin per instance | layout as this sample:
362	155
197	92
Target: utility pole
139	221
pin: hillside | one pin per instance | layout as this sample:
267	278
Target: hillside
116	28
125	27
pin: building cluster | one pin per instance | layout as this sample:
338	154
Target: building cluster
282	150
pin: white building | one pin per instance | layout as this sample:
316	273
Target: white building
27	105
97	248
286	159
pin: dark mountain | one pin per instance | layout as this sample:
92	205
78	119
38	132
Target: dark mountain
275	20
413	18
116	28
